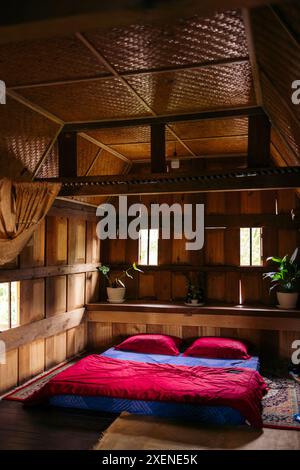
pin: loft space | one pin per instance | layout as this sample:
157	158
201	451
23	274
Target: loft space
185	104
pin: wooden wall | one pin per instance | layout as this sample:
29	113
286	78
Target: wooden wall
54	279
217	263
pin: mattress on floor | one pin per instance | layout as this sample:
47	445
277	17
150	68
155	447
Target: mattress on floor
200	414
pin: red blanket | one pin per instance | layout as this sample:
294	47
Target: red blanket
95	375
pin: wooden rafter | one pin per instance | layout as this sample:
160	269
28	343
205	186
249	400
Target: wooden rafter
225	113
178	68
104	147
252	56
46	153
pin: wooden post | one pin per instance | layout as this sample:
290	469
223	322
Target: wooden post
67	151
259	137
158	148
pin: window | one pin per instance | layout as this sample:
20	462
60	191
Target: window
9	305
148	246
250	246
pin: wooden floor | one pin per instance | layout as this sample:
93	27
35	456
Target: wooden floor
41	428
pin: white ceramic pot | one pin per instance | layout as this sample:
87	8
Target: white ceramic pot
116	295
194	301
287	299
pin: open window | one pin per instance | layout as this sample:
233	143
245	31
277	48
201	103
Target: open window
9	305
148	247
251	246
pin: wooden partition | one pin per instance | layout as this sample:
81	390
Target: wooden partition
218	263
269	331
57	274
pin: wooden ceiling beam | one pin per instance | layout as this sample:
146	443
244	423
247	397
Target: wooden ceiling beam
234	180
19	23
155	71
252	56
241	111
67	155
158	148
259	141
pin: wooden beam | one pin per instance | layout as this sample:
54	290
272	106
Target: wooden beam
70	208
10	275
156	71
221	317
158	148
100	144
67	151
67	17
166	119
232	180
259	141
252	56
46	153
16	337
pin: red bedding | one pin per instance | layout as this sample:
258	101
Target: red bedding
95	375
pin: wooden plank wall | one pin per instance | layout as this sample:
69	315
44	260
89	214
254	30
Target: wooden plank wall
221	250
61	240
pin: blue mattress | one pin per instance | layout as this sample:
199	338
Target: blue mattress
200	414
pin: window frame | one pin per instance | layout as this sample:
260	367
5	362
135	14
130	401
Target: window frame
251	246
10	305
148	230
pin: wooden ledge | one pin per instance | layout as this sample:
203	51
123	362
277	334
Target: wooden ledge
180	307
216	316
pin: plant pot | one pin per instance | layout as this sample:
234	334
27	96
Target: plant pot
116	295
194	301
287	300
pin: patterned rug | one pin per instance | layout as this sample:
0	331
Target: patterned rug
279	406
282	402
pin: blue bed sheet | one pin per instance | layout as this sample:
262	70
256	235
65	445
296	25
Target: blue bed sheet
200	414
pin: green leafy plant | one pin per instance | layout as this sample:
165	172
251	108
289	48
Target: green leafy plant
195	291
286	278
116	281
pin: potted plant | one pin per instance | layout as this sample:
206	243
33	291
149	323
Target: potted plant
195	294
116	287
285	279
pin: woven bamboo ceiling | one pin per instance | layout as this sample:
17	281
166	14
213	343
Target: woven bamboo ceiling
229	59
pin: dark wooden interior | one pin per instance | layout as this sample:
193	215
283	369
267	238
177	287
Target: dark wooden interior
104	110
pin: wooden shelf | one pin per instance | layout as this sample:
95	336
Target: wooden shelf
172	313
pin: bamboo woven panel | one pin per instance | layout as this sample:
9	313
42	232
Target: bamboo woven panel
108	164
278	55
25	134
186	41
47	60
86	152
220	146
142	151
211	128
281	118
99	99
49	168
196	90
125	135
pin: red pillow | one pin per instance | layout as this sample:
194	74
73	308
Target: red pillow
151	344
218	348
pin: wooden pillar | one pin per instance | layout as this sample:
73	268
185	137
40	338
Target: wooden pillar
158	148
67	151
259	137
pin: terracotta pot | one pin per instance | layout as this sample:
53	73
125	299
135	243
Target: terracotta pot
116	295
287	299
